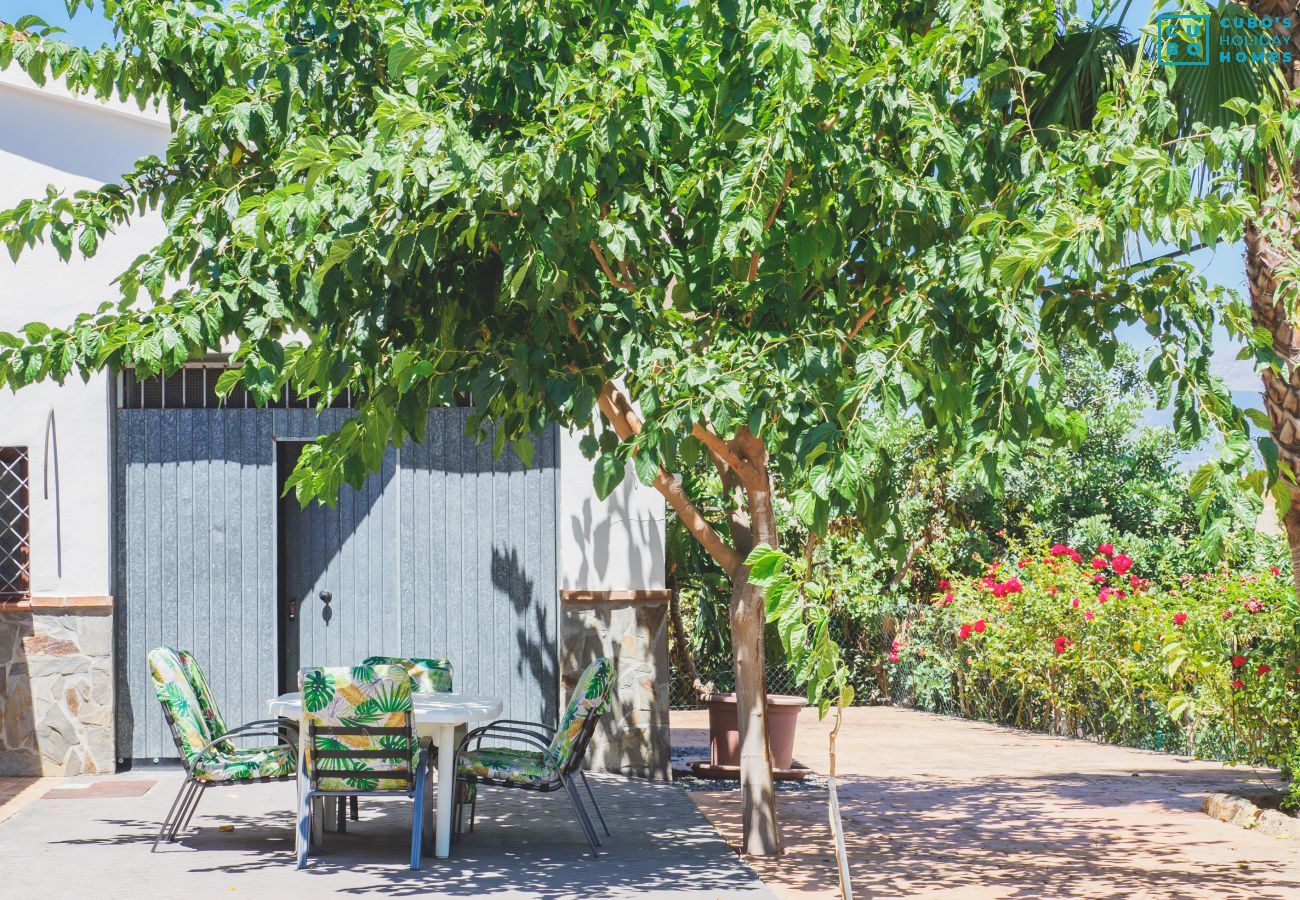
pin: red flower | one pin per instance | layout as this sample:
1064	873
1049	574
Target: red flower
1227	614
1106	549
1263	669
895	646
1022	564
1099	578
944	584
947	598
1104	595
1060	550
1255	606
1275	570
1074	601
1076	556
1238	661
1134	582
1062	644
1013	585
1098	563
979	626
1238	684
1180	619
893	656
1053	590
1121	564
964	632
1088	615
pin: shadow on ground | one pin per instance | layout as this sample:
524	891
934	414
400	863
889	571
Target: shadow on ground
524	845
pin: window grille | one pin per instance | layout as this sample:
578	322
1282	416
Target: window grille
15	531
195	387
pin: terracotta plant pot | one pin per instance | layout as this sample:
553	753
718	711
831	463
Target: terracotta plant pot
724	733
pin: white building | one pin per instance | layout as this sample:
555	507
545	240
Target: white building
138	513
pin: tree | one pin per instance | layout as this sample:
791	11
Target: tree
1256	90
698	230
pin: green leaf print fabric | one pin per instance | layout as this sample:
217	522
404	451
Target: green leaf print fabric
378	696
428	676
590	699
183	691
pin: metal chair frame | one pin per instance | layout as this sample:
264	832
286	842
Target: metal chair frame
539	735
191	791
312	800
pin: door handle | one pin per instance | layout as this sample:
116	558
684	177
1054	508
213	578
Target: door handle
293	608
326	597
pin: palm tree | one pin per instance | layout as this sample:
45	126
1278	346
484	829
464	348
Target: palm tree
1265	261
1081	66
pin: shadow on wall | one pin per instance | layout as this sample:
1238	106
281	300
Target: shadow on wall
18	753
641	539
537	661
53	134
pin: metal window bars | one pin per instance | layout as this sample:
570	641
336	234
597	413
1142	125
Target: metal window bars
15	530
195	387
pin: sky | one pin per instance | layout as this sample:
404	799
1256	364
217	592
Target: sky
1222	265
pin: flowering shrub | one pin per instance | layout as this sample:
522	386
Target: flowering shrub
1077	641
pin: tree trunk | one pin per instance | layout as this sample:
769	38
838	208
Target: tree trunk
760	833
1263	263
742	463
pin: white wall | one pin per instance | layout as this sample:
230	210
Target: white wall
617	544
48	137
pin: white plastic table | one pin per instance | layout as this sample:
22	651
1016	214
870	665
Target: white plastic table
436	716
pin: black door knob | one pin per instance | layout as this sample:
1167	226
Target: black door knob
326	597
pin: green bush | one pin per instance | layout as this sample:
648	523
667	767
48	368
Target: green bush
1084	644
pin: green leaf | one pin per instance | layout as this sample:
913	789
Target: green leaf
608	475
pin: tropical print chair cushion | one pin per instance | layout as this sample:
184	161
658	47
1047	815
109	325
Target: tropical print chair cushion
171	683
527	767
378	696
216	725
174	678
245	765
428	676
590	699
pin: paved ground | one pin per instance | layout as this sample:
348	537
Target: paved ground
15	793
944	807
524	845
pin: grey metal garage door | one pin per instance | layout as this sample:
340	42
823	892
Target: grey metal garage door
445	552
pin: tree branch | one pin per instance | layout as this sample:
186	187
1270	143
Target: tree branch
609	273
780	198
626	424
720	449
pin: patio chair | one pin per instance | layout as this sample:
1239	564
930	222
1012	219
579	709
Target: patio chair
207	751
358	738
428	676
555	764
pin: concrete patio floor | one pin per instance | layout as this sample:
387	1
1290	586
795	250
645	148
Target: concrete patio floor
524	845
936	806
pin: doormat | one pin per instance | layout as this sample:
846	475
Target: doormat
100	790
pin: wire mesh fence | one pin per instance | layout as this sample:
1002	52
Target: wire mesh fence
682	694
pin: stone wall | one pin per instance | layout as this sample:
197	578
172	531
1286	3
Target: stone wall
56	686
630	627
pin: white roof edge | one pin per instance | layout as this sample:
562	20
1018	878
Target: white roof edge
55	89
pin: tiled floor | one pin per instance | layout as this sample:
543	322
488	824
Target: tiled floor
525	844
935	806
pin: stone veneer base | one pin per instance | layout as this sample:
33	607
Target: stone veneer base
56	686
630	627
